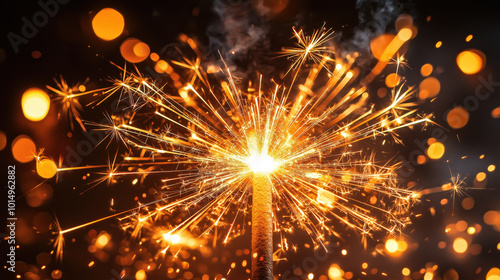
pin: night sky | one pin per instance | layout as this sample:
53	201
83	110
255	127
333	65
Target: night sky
66	45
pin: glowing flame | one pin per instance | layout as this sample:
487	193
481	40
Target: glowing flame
262	163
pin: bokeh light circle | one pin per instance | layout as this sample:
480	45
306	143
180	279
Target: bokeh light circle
35	104
471	61
23	149
46	168
134	50
108	24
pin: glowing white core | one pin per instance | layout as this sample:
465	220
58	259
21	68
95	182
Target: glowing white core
262	163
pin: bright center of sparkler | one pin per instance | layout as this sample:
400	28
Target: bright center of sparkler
262	163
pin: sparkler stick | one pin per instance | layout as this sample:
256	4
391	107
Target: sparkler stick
262	228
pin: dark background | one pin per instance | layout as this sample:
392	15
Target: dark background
70	48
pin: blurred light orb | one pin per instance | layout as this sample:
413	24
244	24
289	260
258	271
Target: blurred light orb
460	245
426	70
493	274
457	118
471	61
134	50
429	88
406	271
35	104
46	168
405	34
56	274
102	240
391	245
480	176
392	80
495	113
140	275
23	149
435	150
335	273
108	24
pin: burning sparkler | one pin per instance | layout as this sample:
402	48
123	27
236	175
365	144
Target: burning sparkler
305	154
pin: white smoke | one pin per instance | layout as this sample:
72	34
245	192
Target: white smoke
239	34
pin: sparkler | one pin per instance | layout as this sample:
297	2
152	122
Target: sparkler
304	152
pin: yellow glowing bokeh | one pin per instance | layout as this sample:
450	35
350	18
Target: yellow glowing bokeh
426	70
335	273
391	245
406	271
392	80
460	245
469	37
36	104
480	176
491	168
141	49
435	150
402	245
108	24
405	34
439	44
140	275
46	168
134	50
471	230
471	61
457	118
162	66
23	149
493	274
102	240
